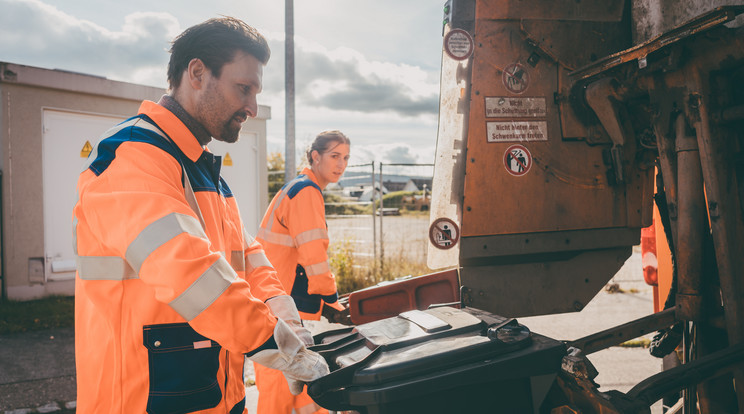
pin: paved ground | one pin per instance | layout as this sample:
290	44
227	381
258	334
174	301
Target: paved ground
37	371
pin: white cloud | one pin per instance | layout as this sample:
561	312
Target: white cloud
343	79
379	86
35	33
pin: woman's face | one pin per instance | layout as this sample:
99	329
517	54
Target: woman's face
331	164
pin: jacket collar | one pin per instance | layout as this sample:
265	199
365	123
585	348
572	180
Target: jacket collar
309	173
174	128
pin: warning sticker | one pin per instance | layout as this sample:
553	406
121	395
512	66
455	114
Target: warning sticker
507	107
227	161
509	131
87	148
444	233
516	78
517	160
458	44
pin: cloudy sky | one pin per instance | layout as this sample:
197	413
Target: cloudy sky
368	68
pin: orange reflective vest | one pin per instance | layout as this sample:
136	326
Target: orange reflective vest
294	235
170	290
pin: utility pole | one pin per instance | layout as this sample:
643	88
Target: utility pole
289	92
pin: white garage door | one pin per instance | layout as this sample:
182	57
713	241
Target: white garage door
65	136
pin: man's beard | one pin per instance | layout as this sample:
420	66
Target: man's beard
228	133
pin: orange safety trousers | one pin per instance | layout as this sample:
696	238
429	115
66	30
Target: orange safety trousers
170	289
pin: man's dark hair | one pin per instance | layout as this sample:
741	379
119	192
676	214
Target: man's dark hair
214	42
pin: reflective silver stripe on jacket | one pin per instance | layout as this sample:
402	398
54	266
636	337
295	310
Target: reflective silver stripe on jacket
311	235
253	260
153	236
317	269
237	260
256	260
160	232
266	233
278	203
104	268
247	239
205	290
276	238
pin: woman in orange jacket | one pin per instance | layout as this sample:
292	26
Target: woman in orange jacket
294	235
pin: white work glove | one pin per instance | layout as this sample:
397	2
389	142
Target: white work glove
298	364
284	308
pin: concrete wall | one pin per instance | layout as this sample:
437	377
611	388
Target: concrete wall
654	17
24	93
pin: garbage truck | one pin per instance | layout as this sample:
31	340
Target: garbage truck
562	126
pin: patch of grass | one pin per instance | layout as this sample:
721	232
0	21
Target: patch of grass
51	312
353	273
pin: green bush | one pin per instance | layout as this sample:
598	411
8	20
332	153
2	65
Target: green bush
353	274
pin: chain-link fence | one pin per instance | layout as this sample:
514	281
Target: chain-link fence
377	216
378	221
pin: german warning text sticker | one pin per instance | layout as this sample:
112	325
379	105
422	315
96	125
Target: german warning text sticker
518	131
517	160
513	107
444	233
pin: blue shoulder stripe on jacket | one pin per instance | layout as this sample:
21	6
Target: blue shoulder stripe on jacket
203	174
301	182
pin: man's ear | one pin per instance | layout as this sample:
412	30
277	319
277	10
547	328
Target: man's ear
195	73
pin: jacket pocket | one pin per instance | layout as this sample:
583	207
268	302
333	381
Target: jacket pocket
183	369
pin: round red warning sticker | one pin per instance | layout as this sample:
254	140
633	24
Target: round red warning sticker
517	160
444	233
516	78
458	44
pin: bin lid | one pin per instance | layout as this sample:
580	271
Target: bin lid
428	350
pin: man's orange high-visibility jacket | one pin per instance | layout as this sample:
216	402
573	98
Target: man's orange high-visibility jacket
294	235
170	293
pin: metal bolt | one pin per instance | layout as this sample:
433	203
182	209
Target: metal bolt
157	344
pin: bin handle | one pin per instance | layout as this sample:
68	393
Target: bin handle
328	389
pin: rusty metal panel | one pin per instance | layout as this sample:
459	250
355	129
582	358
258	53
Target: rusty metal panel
521	175
594	10
595	39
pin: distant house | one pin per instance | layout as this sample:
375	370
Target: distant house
366	194
422	182
359	185
400	184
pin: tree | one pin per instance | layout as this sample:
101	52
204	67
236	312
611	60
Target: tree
275	162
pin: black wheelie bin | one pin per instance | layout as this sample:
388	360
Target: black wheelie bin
441	360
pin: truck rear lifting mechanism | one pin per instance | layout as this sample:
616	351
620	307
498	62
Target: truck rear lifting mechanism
557	138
